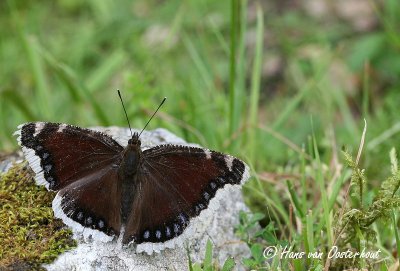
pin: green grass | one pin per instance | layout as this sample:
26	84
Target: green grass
63	61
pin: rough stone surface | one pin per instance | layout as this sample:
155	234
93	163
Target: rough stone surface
7	161
218	227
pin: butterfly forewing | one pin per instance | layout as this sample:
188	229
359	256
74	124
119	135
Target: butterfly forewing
61	154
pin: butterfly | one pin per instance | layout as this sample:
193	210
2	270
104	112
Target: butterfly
149	196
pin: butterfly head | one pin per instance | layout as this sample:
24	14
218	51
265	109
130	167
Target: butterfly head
134	140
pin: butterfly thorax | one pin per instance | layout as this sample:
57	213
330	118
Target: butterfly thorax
131	158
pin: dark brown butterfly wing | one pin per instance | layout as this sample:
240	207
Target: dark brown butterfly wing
93	202
174	185
82	164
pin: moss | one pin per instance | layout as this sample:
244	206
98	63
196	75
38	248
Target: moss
29	233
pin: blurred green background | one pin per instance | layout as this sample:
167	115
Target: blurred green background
257	79
239	75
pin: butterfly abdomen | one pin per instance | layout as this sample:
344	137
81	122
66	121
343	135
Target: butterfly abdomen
127	174
128	192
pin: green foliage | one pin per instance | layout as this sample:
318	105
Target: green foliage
355	223
208	263
257	238
356	228
380	48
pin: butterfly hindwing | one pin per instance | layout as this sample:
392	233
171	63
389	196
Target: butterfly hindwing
93	202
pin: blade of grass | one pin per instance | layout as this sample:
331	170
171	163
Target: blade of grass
242	62
42	95
290	107
366	89
385	20
337	187
207	122
310	232
98	110
31	46
197	267
304	89
75	86
345	111
219	36
19	102
272	202
238	101
3	132
303	180
298	264
208	256
229	264
190	263
384	136
255	84
305	238
295	199
176	26
360	149
105	71
280	137
362	245
66	75
69	79
324	197
198	62
396	233
276	261
234	27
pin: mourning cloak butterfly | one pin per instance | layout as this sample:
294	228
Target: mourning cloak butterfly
143	196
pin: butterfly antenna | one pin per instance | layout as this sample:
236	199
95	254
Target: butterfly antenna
126	115
155	112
